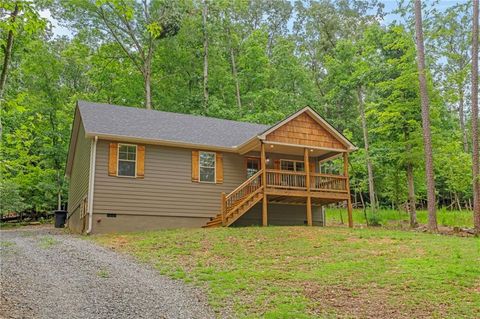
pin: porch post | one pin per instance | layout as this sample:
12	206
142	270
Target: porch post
263	162
306	165
347	185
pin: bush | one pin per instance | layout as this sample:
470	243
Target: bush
10	199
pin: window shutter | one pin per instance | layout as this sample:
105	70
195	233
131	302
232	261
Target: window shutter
195	166
112	159
140	161
219	168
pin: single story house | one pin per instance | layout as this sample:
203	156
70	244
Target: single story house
135	169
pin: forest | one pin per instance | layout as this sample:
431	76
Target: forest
246	60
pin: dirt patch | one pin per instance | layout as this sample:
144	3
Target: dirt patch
363	302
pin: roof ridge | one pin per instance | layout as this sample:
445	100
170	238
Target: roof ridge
88	103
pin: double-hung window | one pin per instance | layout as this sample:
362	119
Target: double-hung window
289	165
207	167
127	160
253	166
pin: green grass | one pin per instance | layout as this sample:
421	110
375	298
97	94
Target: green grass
6	243
47	242
103	273
312	272
444	217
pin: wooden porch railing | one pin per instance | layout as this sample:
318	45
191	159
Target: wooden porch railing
286	179
328	182
297	180
279	179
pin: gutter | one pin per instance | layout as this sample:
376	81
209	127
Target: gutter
91	182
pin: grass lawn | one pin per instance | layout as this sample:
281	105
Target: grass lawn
311	272
388	216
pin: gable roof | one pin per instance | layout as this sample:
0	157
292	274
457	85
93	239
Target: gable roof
130	124
319	119
116	122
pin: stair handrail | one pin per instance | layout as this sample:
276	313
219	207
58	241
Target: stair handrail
229	200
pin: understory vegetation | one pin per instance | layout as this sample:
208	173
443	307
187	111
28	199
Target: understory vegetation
311	272
397	218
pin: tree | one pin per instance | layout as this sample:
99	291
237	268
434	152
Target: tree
450	46
475	146
135	27
205	53
19	16
427	138
396	116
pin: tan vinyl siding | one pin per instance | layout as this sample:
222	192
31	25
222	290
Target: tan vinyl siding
166	196
167	188
78	186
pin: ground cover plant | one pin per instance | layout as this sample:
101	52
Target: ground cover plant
447	218
306	272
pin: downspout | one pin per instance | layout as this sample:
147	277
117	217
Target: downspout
91	182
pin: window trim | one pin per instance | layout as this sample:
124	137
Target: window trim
118	159
200	166
295	165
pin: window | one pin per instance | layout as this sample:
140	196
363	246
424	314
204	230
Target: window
289	165
127	158
207	167
253	166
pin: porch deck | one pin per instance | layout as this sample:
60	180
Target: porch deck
283	186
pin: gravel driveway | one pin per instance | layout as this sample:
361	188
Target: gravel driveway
46	273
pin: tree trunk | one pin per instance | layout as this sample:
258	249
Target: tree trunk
147	78
461	115
475	146
411	197
411	203
205	54
234	69
235	78
457	201
371	185
427	138
6	59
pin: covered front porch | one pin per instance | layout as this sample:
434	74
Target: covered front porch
281	182
284	167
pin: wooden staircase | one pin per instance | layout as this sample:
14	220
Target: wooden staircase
239	201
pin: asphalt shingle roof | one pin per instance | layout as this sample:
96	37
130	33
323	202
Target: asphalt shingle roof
107	119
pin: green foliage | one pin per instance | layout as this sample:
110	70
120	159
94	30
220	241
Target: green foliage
10	198
387	217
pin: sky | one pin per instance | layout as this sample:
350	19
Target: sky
390	5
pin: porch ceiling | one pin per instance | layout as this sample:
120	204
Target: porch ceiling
322	153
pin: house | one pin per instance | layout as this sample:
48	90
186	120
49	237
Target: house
134	169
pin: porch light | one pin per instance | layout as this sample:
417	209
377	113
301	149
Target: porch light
267	160
311	150
271	145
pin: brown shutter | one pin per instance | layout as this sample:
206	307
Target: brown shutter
140	161
195	167
219	168
112	159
